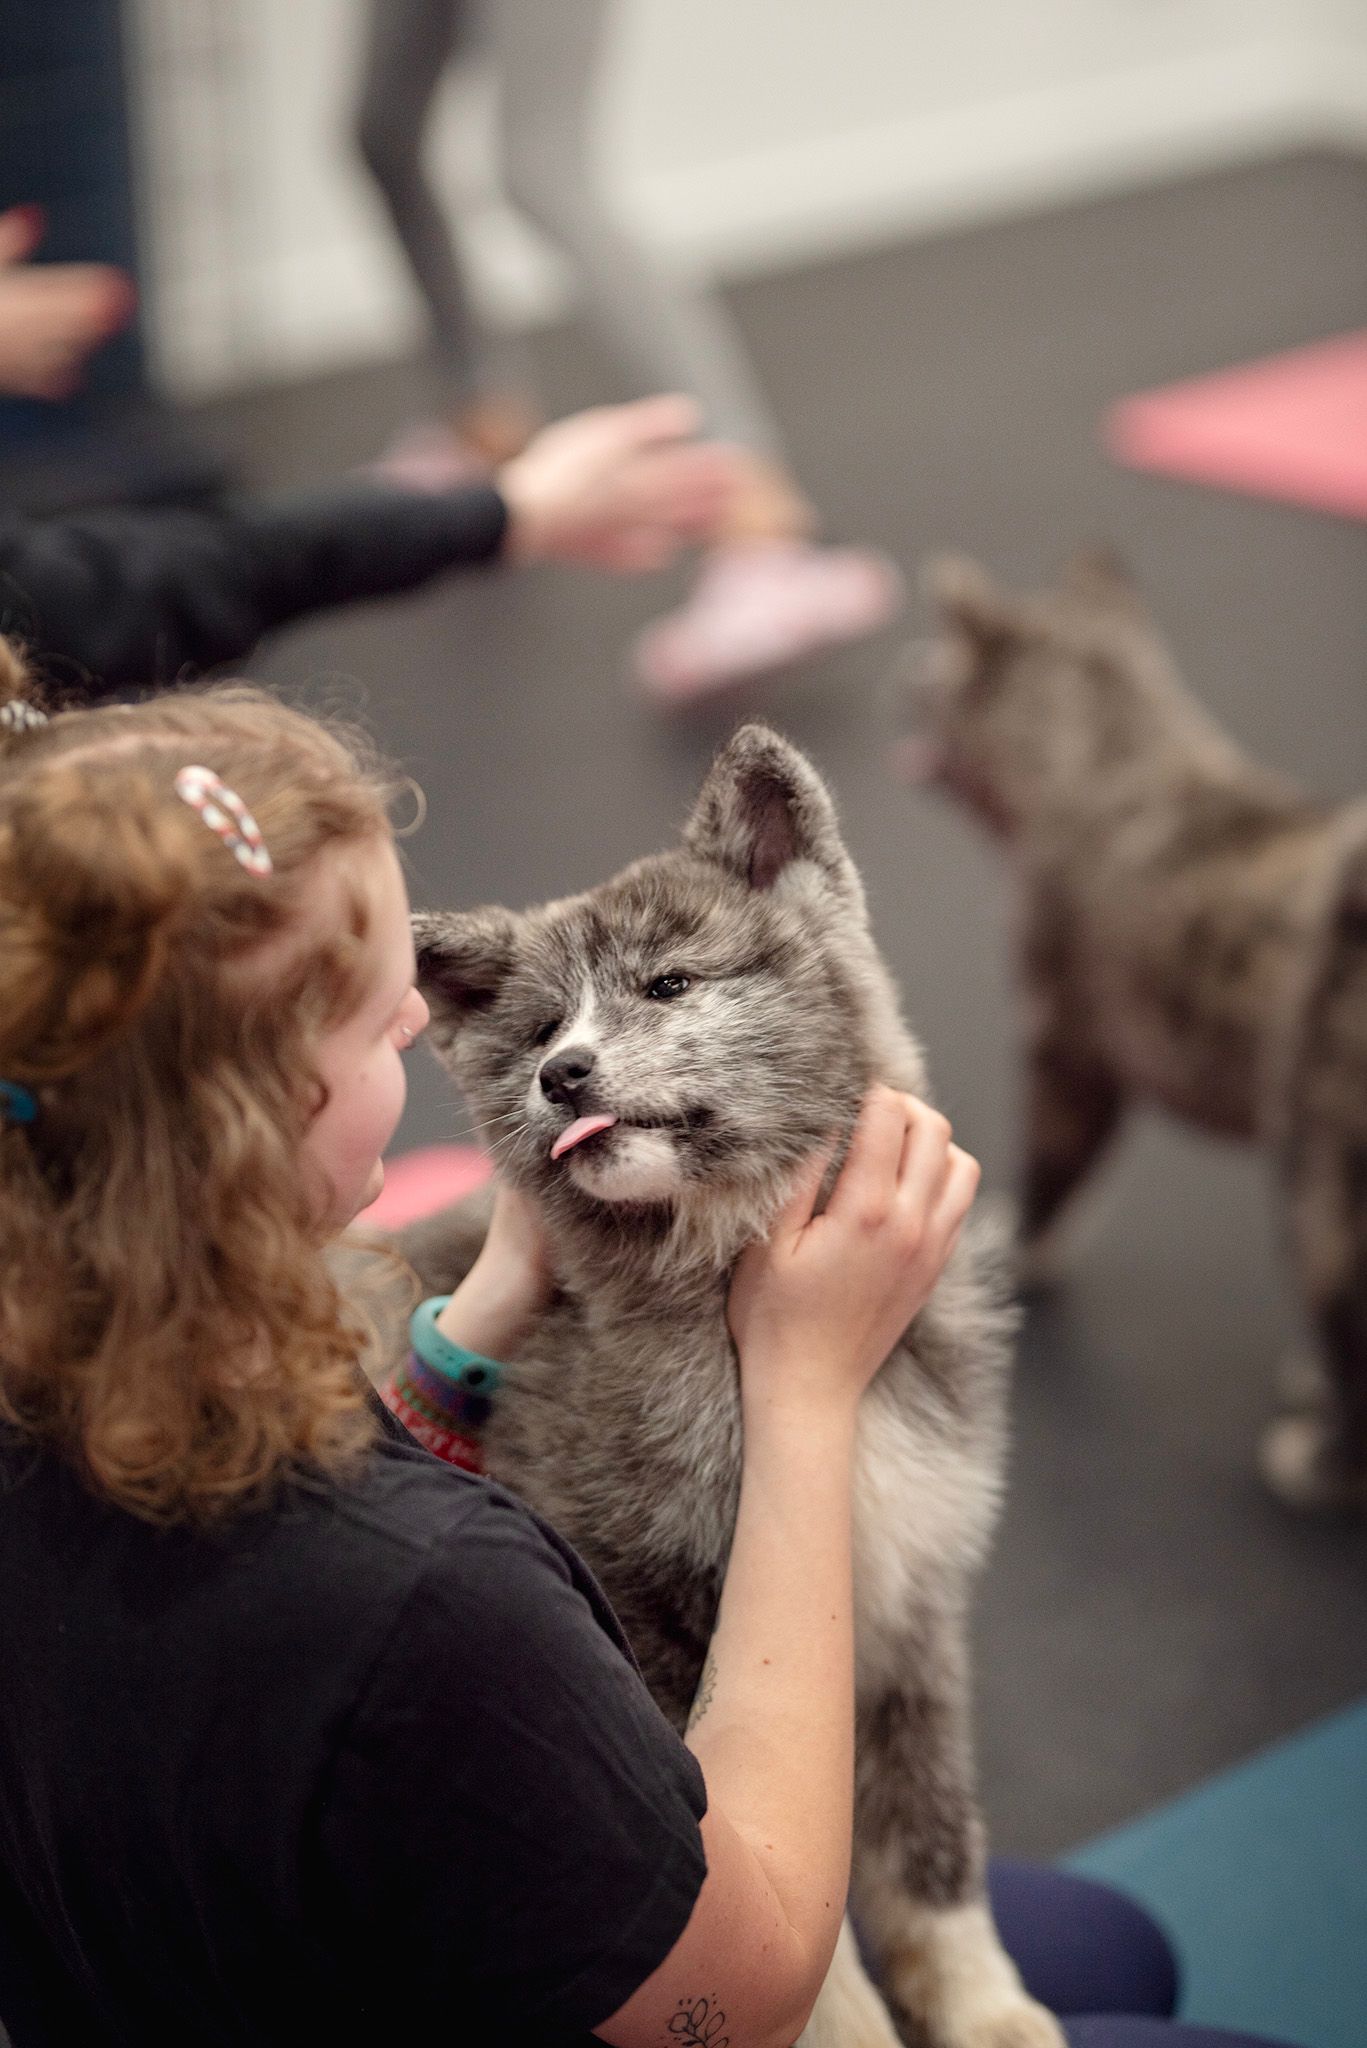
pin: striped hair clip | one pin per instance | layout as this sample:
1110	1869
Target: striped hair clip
224	812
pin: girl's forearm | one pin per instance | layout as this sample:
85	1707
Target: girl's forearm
773	1722
486	1314
508	1286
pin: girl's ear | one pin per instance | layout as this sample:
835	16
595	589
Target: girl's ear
763	809
463	956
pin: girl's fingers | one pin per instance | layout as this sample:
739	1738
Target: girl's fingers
868	1177
796	1212
955	1198
925	1159
900	1158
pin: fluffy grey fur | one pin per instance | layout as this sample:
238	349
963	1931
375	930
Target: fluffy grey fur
1192	929
726	1003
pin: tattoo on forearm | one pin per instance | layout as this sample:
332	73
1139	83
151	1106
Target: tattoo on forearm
702	1698
699	2022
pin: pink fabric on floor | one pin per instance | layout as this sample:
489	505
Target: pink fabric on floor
1292	426
416	1183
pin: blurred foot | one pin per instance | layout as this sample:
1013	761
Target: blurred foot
759	606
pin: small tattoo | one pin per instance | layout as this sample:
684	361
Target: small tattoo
702	1698
698	2023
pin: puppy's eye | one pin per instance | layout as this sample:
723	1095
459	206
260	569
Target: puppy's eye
547	1031
666	986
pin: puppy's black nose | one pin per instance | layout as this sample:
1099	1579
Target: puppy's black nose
564	1076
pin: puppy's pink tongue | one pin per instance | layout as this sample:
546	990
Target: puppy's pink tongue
583	1127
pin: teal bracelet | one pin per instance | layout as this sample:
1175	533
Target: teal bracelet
469	1370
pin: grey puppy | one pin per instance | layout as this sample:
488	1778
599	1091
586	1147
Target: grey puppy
1192	930
652	1061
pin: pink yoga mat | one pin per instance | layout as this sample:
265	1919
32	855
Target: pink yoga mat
1292	426
416	1183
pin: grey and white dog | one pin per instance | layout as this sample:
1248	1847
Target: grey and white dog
652	1060
1192	929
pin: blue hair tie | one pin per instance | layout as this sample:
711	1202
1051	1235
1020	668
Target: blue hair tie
20	1105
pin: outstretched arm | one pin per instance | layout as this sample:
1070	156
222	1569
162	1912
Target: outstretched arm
155	594
115	599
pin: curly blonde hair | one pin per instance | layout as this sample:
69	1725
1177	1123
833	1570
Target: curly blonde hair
155	1231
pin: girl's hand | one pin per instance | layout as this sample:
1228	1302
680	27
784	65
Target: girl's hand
621	487
816	1310
509	1284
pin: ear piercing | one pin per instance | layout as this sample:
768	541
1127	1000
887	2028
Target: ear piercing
409	1033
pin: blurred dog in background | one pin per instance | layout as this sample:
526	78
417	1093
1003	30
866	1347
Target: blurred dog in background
1192	929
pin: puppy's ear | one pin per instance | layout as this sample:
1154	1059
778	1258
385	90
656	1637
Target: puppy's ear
463	956
763	810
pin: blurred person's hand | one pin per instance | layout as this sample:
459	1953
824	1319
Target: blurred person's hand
53	316
621	487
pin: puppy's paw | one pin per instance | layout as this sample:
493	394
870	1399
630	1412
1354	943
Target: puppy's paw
953	1985
1298	1458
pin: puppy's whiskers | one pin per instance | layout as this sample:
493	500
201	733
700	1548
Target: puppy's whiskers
506	1139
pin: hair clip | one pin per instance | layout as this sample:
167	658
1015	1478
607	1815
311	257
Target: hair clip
16	715
18	1105
224	812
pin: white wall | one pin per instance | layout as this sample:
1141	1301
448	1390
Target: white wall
736	133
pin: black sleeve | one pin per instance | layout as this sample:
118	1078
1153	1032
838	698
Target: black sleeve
510	1822
119	598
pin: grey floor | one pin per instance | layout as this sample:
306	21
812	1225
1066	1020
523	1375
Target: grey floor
1149	1616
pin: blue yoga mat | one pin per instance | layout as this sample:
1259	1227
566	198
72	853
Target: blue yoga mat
1260	1877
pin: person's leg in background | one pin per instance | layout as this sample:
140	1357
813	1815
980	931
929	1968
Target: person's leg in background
767	592
663	335
408	47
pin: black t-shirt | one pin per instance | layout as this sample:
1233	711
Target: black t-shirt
371	1765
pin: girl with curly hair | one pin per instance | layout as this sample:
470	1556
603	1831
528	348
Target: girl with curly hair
306	1735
